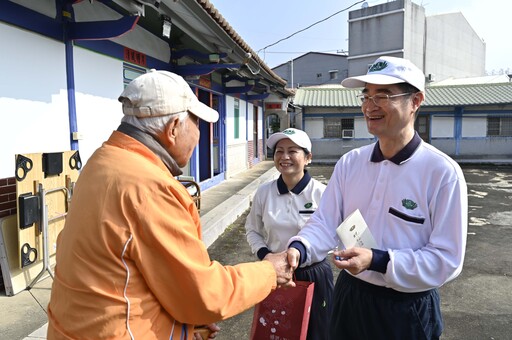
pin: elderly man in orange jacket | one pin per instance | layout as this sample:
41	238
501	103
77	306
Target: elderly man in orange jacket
130	260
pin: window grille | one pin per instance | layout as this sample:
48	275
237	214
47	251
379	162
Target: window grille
499	126
333	127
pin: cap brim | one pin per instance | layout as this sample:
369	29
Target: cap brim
379	79
204	112
274	138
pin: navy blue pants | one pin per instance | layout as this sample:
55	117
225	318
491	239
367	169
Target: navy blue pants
321	308
365	311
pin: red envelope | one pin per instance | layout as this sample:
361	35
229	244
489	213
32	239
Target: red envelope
284	314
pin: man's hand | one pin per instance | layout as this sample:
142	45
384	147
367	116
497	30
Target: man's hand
206	332
355	260
283	270
293	256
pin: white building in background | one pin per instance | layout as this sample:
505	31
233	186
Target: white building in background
443	45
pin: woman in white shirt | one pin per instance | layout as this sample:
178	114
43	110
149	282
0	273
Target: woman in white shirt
280	209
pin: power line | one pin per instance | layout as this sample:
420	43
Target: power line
304	29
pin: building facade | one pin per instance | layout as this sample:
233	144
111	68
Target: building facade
313	68
442	46
468	121
64	63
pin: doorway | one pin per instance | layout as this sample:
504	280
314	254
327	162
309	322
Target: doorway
205	146
255	132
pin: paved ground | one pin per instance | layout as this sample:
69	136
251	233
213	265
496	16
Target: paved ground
23	316
478	304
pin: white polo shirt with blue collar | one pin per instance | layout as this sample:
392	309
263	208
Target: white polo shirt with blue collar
277	214
415	205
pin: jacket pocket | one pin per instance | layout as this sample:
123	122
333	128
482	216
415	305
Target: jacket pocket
405	217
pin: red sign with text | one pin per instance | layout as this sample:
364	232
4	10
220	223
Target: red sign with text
273	106
134	57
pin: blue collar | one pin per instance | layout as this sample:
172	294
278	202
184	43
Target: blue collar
281	186
402	156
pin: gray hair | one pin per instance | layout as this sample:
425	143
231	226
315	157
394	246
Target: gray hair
153	125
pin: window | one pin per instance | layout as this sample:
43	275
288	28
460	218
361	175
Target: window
499	126
334	127
333	74
131	72
237	119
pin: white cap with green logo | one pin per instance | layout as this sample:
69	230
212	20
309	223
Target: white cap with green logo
389	70
297	136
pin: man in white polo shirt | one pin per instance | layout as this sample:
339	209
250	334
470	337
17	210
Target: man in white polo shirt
414	200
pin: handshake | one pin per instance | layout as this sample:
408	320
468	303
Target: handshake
284	264
355	260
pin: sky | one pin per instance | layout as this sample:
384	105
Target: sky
262	23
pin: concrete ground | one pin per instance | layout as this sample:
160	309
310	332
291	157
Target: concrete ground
477	305
23	316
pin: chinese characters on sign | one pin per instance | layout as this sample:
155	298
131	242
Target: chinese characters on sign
134	57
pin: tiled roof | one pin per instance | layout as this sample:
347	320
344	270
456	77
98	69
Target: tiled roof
453	95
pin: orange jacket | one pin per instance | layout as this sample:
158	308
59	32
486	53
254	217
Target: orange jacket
130	260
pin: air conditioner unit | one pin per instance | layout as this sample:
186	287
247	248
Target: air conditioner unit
347	133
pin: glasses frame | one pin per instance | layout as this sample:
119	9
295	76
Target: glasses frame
364	98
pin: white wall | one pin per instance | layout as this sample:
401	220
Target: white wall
261	133
33	96
474	127
98	84
453	49
236	153
315	127
250	121
442	127
361	129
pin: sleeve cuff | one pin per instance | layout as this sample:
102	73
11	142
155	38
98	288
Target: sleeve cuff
302	250
380	261
262	252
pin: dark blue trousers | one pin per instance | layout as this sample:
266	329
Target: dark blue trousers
365	311
321	308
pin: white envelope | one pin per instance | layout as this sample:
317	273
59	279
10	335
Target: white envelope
354	232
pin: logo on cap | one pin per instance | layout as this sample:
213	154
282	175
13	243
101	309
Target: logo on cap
378	66
289	132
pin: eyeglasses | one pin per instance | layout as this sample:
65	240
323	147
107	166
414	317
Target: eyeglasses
379	99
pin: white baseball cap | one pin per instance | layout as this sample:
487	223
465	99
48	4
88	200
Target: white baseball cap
389	70
161	93
297	136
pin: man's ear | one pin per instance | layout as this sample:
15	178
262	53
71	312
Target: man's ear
417	99
172	130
